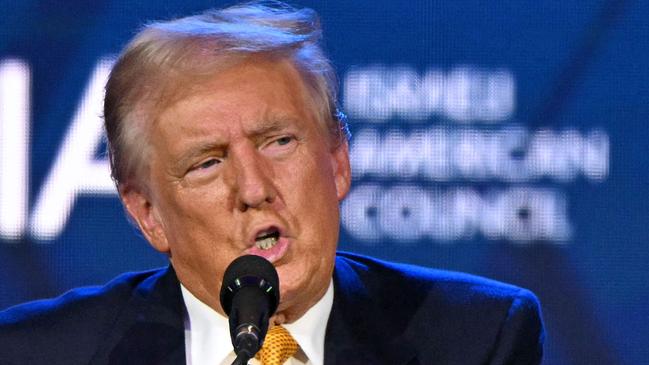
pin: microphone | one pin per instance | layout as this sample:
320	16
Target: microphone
249	296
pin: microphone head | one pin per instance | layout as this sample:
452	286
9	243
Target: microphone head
250	271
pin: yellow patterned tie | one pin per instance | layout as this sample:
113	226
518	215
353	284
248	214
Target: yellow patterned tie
278	346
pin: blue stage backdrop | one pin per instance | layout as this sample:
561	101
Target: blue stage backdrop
504	138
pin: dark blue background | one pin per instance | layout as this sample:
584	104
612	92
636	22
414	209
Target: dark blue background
582	65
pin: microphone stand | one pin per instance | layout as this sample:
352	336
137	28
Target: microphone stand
242	359
246	344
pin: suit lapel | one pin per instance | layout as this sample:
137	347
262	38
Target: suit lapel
357	332
149	330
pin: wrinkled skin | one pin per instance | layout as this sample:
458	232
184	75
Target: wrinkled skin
241	154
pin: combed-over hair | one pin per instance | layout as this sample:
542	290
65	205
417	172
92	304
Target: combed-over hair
166	58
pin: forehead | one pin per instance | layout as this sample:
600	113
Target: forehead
257	89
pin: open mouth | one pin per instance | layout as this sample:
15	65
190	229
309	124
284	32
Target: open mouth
267	239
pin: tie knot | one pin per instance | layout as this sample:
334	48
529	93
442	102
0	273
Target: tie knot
278	346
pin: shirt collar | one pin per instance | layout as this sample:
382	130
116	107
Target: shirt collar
205	327
309	330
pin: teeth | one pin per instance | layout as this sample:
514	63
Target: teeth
266	243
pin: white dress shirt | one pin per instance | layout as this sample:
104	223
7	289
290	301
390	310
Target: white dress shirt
207	333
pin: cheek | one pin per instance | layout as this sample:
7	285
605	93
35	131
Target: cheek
309	188
312	198
316	169
193	201
189	215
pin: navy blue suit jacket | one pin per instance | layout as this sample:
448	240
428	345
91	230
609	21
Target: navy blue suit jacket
383	313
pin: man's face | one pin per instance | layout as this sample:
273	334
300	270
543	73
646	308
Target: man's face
240	165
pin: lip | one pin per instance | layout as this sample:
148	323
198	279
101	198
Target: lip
274	253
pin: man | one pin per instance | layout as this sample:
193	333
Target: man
225	140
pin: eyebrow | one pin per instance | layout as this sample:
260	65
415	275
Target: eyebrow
275	124
271	125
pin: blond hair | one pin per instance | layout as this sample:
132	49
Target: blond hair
166	57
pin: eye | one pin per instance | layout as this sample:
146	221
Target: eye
280	146
206	164
284	140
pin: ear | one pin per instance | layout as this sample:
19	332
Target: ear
144	213
342	169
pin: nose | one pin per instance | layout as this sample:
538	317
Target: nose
253	185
